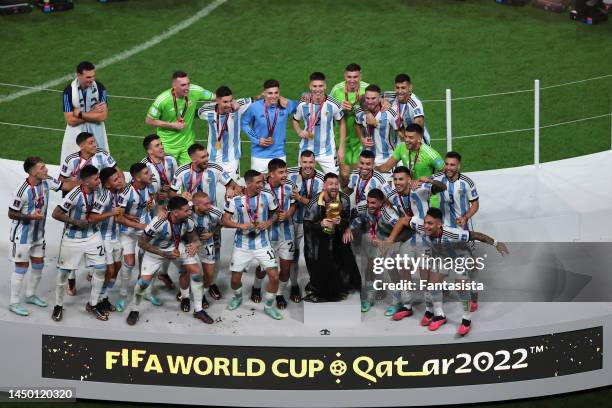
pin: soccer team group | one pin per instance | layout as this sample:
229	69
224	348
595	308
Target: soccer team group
369	144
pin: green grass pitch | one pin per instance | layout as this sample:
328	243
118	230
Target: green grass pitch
473	47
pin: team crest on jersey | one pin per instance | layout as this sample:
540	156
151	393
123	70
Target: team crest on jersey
16	203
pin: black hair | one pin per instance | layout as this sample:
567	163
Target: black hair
84	66
83	136
148	140
31	162
196	147
88	171
107	173
137	168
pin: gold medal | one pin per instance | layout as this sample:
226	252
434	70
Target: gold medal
218	145
310	135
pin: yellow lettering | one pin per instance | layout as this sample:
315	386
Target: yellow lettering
176	363
314	366
153	364
222	364
198	369
111	358
275	365
236	368
137	357
251	367
361	372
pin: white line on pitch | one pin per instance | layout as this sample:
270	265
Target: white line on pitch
124	54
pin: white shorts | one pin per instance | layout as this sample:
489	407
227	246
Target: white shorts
232	168
328	163
72	251
113	250
208	253
23	252
241	258
152	263
261	165
129	242
284	249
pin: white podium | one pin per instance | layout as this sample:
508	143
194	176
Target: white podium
333	314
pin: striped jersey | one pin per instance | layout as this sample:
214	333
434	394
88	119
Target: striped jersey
319	120
205	223
281	231
417	201
224	128
446	235
164	234
455	200
135	202
380	224
26	199
384	135
105	202
74	163
409	111
307	188
258	210
163	172
78	205
363	186
187	179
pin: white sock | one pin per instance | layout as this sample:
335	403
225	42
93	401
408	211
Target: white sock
125	273
270	298
185	293
282	287
60	285
257	282
72	274
139	290
196	289
238	292
437	302
17	283
35	276
97	281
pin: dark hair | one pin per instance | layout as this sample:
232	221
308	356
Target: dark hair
177	202
401	169
148	140
329	175
179	74
414	127
83	136
317	76
30	162
352	67
276	164
222	91
271	83
373	88
453	155
367	154
435	212
377	194
402	78
107	173
84	66
137	168
88	171
196	147
250	175
307	153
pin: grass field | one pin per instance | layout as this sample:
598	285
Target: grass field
474	47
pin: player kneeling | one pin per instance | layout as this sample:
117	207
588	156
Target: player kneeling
162	242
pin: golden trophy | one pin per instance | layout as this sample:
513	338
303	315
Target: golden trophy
332	211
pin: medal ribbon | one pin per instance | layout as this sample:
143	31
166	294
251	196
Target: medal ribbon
192	188
271	128
179	118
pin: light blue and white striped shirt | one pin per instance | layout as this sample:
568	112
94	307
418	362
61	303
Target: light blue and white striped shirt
259	208
282	231
383	135
26	199
455	200
307	188
135	202
323	143
78	205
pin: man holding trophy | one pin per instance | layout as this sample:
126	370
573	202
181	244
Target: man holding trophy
330	262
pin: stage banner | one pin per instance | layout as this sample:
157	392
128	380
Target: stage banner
322	368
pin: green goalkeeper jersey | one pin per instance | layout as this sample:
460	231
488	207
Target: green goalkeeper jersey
169	109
